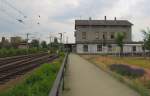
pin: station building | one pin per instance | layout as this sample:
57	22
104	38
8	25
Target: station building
98	36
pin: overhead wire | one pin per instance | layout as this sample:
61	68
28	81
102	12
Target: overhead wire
17	10
20	12
11	16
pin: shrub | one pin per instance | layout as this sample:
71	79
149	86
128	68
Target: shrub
148	84
126	70
61	54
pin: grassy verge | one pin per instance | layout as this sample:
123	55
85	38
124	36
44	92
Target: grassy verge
39	83
104	62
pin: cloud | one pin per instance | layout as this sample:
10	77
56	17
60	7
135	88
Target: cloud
59	15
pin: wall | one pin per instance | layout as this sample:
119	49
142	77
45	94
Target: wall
91	33
115	49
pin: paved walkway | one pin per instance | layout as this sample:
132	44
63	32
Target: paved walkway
85	79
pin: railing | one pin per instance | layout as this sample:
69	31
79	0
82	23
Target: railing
59	82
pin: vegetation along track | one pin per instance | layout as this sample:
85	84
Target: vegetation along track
11	67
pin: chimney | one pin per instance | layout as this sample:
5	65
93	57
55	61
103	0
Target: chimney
115	18
105	18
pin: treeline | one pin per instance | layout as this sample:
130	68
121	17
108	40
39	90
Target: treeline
5	52
8	49
33	44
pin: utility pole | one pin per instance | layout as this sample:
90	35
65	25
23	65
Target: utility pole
61	35
27	40
50	41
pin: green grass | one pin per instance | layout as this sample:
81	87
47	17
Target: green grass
39	83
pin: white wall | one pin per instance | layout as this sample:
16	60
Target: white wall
92	48
79	48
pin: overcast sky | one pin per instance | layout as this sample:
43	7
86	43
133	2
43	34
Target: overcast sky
56	16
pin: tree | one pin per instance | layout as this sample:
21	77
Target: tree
54	46
146	34
43	44
6	44
119	40
35	43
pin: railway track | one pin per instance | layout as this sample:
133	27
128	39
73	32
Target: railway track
12	67
7	60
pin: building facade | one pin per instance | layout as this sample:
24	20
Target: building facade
98	36
15	40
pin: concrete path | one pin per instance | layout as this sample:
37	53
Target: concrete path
85	79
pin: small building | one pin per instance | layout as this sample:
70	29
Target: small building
98	36
15	40
23	46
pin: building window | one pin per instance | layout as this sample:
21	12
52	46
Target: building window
99	48
103	36
109	47
85	48
143	48
112	36
97	35
83	35
134	48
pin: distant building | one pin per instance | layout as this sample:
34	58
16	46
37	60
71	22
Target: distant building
5	43
98	36
23	46
3	39
15	39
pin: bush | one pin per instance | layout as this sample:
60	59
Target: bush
126	70
148	84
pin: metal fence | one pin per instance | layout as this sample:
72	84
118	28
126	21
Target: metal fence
58	85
